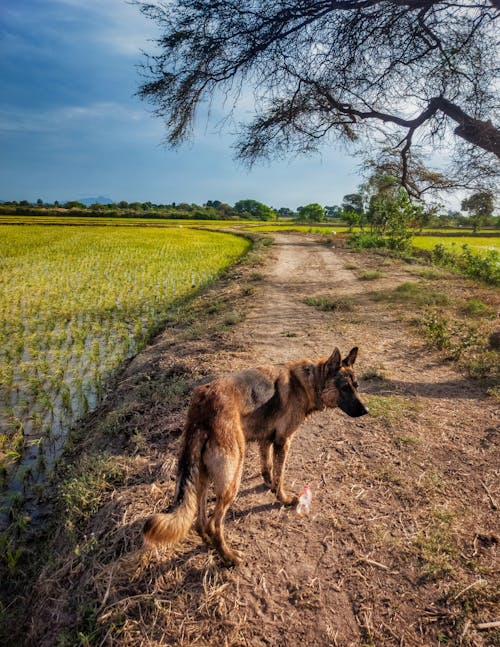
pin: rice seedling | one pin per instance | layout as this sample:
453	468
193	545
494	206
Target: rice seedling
75	302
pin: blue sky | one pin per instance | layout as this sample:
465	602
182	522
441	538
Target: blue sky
71	127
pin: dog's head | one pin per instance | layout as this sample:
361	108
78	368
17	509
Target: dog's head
339	387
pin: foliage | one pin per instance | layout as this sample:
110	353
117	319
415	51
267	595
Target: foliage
337	69
312	212
480	207
484	266
389	213
252	209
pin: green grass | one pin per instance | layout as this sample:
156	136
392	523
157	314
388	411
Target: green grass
329	304
370	275
413	293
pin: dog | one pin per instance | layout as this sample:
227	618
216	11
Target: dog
266	404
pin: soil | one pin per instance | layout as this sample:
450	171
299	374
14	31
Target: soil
400	546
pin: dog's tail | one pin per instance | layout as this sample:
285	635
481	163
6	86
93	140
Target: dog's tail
171	527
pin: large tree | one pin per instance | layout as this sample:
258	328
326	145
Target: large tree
416	70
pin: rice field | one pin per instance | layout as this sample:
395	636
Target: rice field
477	243
75	302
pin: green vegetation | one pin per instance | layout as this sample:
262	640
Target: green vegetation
370	275
485	266
478	243
329	304
75	302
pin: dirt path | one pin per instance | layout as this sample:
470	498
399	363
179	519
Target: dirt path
400	547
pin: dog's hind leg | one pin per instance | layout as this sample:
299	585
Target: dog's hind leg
226	485
266	460
202	522
280	452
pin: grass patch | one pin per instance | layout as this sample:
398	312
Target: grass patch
437	549
391	409
415	294
329	304
428	273
83	487
373	374
478	308
370	275
494	392
405	440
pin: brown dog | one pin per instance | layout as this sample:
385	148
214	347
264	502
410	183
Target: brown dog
266	404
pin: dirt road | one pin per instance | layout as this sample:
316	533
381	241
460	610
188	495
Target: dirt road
400	546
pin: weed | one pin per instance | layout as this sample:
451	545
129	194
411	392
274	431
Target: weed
455	336
373	374
428	273
214	307
437	550
405	440
483	364
247	290
391	409
478	308
233	318
84	485
329	304
494	392
484	266
387	475
415	293
370	275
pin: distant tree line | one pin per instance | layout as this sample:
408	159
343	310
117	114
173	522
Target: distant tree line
366	208
211	210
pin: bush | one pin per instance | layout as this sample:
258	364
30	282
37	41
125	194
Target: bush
484	266
365	240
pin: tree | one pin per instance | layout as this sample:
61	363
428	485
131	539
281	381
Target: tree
480	207
285	212
333	212
253	209
333	68
74	204
313	212
390	210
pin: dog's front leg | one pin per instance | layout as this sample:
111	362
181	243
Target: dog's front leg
280	453
266	461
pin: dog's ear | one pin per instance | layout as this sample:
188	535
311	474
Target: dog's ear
333	362
351	358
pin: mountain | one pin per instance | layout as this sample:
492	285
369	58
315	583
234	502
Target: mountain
100	199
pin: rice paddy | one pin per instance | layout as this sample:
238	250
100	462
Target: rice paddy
477	243
75	302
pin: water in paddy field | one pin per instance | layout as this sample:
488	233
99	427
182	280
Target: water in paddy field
36	416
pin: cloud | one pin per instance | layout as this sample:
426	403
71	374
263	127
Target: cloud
56	119
117	24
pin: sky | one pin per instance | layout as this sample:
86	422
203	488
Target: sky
71	126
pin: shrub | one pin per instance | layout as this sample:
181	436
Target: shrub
484	266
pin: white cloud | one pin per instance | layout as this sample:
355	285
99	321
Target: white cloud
117	24
35	121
